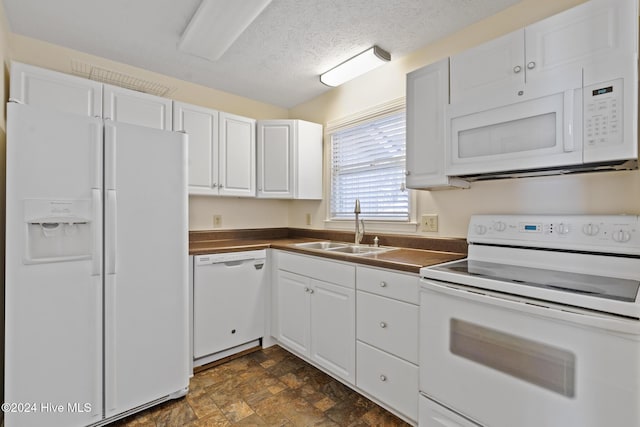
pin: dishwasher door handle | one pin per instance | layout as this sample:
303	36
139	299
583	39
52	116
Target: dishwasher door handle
233	263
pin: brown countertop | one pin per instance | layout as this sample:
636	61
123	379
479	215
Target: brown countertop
409	259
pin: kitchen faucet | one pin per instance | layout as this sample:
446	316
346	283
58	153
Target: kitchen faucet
359	234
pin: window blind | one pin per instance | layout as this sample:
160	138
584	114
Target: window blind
368	163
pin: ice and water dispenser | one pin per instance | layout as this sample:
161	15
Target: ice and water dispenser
58	230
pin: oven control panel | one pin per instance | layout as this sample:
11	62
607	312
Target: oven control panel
593	233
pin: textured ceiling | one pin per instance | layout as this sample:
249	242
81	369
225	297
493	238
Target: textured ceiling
278	58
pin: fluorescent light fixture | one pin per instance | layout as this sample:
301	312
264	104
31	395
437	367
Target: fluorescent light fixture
217	24
359	64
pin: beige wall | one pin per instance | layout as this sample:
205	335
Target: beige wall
237	213
596	193
608	192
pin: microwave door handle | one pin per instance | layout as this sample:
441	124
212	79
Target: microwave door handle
567	140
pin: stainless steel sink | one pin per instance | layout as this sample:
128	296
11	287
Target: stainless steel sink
344	248
321	245
361	250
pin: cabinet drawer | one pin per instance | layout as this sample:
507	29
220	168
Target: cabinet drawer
388	324
318	268
389	379
404	287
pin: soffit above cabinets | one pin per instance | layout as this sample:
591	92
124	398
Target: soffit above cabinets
277	59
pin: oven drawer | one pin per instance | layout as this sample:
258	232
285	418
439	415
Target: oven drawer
388	324
404	287
385	377
430	414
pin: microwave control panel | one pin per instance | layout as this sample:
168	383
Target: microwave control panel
603	114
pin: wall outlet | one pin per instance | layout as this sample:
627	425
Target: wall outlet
429	222
217	221
307	218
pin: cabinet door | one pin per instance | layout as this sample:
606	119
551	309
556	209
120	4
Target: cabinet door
237	156
293	293
57	91
276	139
592	35
489	74
137	108
427	98
201	125
333	335
308	167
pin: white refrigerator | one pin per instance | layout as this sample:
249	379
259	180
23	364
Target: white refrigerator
96	268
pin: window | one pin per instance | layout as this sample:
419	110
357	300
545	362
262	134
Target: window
368	163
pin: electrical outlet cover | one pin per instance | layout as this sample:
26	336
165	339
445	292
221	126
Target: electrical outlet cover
429	222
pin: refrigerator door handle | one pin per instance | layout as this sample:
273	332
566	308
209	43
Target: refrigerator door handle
110	156
97	232
112	227
111	368
96	142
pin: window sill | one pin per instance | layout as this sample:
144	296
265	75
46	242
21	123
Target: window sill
373	226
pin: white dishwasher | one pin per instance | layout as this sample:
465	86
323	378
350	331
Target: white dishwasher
228	304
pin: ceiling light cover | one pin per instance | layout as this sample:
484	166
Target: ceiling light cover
358	65
217	24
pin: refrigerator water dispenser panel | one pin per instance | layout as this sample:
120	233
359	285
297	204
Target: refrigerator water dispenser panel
58	230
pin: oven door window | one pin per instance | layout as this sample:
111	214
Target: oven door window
531	361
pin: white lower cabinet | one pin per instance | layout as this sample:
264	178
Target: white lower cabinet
387	337
358	323
388	378
293	322
315	318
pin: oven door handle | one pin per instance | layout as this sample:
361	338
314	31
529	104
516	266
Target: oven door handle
521	304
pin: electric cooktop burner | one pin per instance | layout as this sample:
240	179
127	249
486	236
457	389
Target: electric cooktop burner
584	284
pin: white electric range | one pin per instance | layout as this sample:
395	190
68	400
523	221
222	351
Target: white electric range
538	326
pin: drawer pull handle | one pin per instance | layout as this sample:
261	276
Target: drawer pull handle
383	378
383	325
383	284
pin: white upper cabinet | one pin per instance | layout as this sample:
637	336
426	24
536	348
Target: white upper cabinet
427	98
58	91
129	106
238	156
596	36
201	125
490	71
546	57
222	151
289	159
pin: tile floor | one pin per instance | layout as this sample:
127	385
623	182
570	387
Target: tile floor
270	387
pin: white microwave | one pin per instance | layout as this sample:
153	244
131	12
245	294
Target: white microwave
587	128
